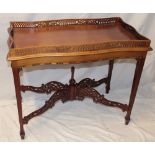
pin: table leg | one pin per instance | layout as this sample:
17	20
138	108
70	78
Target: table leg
19	99
111	63
136	80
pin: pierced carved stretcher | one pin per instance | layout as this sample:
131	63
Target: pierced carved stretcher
74	41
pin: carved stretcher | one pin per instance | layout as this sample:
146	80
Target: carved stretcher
73	41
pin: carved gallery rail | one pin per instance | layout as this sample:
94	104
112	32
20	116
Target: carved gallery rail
74	41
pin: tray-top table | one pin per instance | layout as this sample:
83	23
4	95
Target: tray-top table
72	41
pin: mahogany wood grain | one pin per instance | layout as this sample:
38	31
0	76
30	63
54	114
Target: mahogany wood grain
72	41
16	76
136	80
73	38
77	35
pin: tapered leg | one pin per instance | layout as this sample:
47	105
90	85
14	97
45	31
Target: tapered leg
136	80
19	99
111	63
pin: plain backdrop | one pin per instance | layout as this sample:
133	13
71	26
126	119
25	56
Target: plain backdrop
80	121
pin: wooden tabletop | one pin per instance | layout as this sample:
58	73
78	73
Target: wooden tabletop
51	41
72	35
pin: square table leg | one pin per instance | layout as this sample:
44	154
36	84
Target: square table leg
136	80
111	64
16	76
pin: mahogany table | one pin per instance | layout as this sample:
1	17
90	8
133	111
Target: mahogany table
72	41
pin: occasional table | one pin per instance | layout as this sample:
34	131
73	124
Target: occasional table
72	41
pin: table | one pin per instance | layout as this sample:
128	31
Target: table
72	41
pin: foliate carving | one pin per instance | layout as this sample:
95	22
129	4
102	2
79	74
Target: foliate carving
95	95
45	88
91	82
71	91
48	104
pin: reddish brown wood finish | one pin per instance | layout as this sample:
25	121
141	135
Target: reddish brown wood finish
111	64
74	41
71	91
136	80
68	41
16	76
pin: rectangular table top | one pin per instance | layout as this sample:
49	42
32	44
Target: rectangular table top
73	37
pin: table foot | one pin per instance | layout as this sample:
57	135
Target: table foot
22	134
107	88
127	119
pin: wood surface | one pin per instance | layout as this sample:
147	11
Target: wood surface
73	41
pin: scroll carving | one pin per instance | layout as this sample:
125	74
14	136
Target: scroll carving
48	104
71	91
45	88
95	95
91	83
